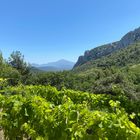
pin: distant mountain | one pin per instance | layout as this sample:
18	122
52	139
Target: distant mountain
48	68
107	49
35	65
59	65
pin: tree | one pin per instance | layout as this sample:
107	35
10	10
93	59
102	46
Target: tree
1	59
16	60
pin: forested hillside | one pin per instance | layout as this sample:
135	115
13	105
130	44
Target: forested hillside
104	50
121	58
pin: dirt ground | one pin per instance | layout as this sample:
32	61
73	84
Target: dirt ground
1	135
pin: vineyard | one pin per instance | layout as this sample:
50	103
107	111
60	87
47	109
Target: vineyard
44	113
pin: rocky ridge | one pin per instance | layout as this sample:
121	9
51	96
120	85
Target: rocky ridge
104	50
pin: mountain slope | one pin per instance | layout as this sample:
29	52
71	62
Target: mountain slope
107	49
120	58
55	66
96	53
49	68
61	64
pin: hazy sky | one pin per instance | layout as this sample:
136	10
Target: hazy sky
49	30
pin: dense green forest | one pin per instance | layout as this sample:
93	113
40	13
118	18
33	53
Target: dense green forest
98	100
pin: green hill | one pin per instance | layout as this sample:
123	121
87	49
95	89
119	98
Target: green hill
123	57
105	50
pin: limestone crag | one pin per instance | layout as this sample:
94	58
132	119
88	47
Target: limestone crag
107	49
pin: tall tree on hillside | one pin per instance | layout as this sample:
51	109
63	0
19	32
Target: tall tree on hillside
16	60
1	59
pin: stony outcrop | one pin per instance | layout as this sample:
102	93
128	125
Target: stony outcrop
107	49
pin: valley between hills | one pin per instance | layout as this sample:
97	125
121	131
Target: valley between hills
97	98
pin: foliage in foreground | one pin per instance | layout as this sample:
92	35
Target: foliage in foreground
43	113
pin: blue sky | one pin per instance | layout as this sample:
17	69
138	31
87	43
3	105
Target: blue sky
49	30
